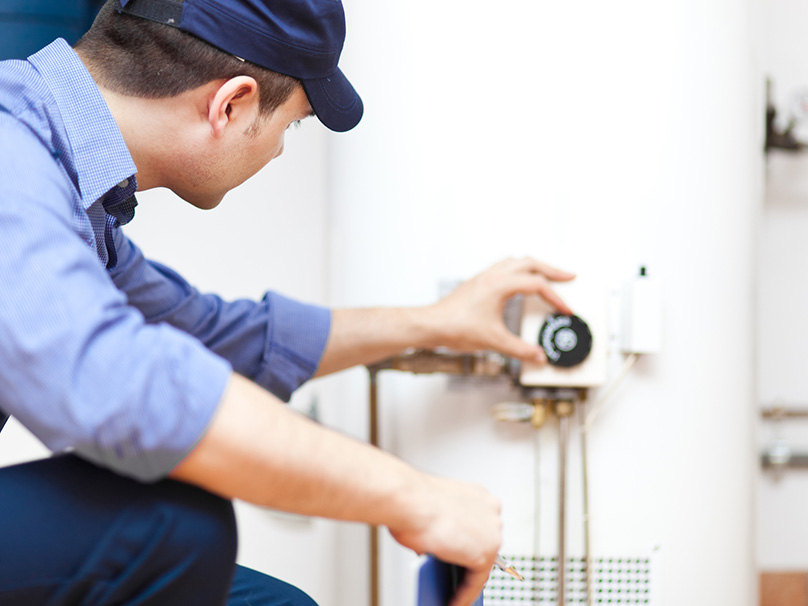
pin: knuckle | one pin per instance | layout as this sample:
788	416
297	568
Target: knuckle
480	560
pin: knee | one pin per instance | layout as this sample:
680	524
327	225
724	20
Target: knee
189	553
202	531
253	587
170	544
302	599
188	544
292	596
297	597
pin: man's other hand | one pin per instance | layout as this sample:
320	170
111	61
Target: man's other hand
457	522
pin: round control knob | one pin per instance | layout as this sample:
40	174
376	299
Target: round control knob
566	340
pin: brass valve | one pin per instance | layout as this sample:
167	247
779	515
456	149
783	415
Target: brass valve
564	408
539	416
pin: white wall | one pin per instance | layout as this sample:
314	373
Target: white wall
782	299
596	136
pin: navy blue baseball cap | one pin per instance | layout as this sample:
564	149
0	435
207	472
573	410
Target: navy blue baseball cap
298	38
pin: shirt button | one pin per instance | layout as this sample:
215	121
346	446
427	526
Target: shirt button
124	183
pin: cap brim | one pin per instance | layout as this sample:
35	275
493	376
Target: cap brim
334	101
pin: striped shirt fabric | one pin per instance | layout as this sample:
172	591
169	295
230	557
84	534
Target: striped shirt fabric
103	352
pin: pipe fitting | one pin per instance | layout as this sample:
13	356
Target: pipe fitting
513	412
564	408
539	416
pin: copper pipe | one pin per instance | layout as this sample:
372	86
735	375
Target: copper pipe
778	412
537	505
427	361
373	432
795	461
585	471
563	412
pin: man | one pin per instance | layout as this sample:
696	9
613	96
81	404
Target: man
162	396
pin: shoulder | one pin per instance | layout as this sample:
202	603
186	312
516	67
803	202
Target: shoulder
29	167
24	150
25	96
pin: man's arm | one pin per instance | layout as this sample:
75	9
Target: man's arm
259	450
276	342
80	368
469	319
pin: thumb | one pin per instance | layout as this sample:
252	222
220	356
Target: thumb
512	345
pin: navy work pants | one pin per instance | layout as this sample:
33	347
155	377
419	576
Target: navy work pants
72	534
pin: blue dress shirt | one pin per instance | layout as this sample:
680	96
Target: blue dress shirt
102	351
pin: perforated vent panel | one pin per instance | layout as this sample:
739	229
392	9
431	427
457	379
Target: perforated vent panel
615	581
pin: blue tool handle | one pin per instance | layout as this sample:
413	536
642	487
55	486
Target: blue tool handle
438	582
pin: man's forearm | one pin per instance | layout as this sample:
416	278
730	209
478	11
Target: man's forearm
364	336
259	450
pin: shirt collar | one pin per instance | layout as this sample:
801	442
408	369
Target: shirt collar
100	155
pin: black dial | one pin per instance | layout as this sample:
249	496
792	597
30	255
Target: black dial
566	340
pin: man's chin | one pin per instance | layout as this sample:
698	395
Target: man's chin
203	202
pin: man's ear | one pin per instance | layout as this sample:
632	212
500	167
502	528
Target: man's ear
235	102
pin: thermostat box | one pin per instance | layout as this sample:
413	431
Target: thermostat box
589	302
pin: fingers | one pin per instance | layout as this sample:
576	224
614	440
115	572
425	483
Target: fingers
463	526
471	587
515	347
534	266
538	285
530	276
470	318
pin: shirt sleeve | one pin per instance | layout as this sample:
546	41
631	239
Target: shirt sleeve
277	342
79	367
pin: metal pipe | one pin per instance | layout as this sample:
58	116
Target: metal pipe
563	410
536	514
794	461
585	470
373	433
428	361
779	412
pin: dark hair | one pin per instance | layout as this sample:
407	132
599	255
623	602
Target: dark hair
140	58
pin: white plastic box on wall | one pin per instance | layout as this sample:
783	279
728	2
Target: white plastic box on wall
589	302
641	315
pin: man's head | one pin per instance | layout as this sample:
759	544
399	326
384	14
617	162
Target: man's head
139	58
301	39
222	78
